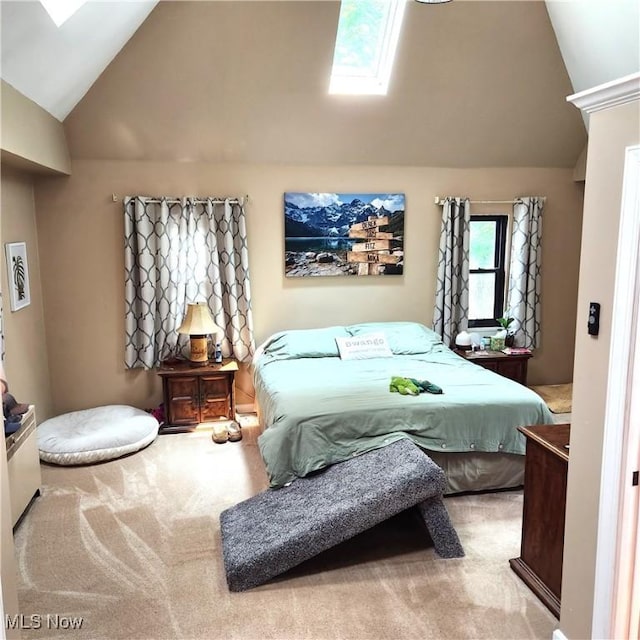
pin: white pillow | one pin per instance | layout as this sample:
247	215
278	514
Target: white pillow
369	345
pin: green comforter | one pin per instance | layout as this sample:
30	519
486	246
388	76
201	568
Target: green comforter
320	410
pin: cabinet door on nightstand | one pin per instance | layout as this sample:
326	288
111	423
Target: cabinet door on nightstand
215	394
491	365
183	400
514	369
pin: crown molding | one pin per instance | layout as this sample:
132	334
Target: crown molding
607	95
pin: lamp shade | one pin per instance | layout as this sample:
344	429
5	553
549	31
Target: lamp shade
198	320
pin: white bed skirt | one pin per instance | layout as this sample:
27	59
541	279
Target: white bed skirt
478	471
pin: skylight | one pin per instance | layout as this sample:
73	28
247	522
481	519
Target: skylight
368	32
61	10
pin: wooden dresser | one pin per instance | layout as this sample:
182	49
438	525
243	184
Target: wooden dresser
23	462
545	492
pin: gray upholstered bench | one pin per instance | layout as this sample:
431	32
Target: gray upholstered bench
278	529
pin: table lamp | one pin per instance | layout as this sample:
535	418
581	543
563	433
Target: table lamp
197	324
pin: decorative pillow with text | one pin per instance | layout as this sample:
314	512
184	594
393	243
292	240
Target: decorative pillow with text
370	345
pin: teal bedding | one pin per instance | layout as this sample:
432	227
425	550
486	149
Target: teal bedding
319	409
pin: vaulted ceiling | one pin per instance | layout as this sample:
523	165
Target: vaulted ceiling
475	83
56	66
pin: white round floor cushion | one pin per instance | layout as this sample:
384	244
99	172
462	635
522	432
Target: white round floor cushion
95	435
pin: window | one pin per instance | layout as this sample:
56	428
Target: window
368	32
487	248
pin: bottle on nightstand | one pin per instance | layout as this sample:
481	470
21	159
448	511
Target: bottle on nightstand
218	354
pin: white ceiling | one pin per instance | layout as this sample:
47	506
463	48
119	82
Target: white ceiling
55	67
599	39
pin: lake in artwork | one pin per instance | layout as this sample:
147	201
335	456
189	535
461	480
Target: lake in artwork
331	234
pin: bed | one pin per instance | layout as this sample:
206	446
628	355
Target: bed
318	408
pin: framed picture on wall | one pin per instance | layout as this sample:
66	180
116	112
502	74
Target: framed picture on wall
343	234
18	275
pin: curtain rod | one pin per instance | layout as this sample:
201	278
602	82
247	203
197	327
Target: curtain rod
115	198
439	200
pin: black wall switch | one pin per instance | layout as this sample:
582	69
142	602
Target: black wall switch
594	318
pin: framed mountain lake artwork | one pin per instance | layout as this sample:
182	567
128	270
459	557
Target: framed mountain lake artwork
18	275
343	234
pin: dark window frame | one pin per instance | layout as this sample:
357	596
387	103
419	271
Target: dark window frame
501	221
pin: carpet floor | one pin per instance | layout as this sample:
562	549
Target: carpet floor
557	396
132	546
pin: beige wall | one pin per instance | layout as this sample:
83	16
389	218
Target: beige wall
31	141
247	82
26	360
610	132
81	241
30	136
7	550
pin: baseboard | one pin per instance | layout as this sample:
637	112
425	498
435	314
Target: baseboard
245	408
558	635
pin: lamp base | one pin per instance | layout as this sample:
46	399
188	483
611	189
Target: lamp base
199	355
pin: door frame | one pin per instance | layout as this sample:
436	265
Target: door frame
617	522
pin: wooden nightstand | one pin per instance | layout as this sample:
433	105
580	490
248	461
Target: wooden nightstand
513	366
195	394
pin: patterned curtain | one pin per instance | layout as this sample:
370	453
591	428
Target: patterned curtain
452	287
524	270
178	252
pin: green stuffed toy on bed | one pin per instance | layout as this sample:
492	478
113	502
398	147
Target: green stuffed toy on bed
411	386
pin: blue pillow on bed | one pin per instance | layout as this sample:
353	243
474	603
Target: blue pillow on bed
404	338
305	343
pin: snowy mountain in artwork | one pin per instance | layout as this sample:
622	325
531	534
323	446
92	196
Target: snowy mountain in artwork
327	215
